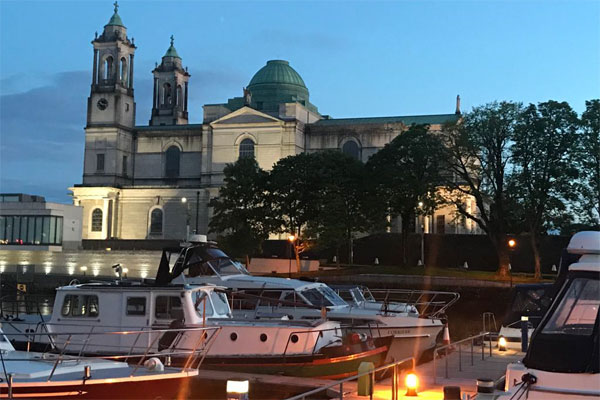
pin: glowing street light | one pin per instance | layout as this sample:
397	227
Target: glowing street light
291	238
512	243
502	343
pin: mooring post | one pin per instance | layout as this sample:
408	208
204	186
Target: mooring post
341	390
471	352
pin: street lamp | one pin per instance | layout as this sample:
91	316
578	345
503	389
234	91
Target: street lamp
422	218
512	244
187	217
291	239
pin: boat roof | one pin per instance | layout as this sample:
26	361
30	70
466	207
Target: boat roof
137	286
585	242
271	282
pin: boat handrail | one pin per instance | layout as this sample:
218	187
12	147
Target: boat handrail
429	303
198	352
307	331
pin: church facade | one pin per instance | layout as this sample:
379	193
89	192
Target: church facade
155	181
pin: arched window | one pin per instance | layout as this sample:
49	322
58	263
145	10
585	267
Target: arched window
351	148
108	65
123	70
172	162
97	220
179	95
167	93
247	148
156	221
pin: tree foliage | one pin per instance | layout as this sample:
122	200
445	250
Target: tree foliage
407	174
477	158
544	175
241	212
590	164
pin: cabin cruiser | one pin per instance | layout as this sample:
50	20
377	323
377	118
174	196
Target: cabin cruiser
309	348
56	376
563	358
201	262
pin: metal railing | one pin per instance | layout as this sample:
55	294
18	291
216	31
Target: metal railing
395	366
484	336
429	303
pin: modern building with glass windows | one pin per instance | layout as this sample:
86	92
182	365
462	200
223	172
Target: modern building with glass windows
136	176
28	222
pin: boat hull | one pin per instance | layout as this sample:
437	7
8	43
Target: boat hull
318	366
144	387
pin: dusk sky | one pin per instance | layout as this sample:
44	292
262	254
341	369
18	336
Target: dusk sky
357	59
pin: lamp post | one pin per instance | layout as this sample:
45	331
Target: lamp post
187	217
422	234
512	244
291	239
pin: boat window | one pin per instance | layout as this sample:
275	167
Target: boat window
227	266
332	296
220	303
346	294
316	298
168	307
136	306
201	304
578	309
80	306
358	295
367	294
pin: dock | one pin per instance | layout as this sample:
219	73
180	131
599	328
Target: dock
461	367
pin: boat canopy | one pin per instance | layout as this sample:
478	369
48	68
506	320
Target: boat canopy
567	338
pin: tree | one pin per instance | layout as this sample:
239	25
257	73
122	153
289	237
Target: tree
240	211
477	155
543	181
292	196
590	163
340	201
406	173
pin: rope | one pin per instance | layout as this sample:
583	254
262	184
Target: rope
526	381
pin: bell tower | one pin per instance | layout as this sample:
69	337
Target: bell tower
111	99
109	132
170	98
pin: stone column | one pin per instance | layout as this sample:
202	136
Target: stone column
131	71
95	68
185	104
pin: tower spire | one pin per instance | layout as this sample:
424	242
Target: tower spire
457	104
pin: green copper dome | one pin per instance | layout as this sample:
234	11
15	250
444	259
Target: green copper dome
171	52
277	71
277	83
116	19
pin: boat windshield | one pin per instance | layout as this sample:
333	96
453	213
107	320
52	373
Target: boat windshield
323	296
220	303
367	294
578	310
227	266
358	295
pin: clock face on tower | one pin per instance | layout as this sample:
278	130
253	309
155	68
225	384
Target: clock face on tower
102	104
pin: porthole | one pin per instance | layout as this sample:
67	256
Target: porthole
294	338
233	336
263	337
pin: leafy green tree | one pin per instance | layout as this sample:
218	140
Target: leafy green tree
292	197
406	173
240	213
477	158
340	201
590	163
543	181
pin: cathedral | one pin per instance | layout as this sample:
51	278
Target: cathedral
155	181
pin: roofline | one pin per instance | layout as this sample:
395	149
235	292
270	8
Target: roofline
391	116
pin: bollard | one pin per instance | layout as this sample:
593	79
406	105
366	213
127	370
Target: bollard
451	393
485	389
524	333
365	387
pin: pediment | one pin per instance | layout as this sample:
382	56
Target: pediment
246	115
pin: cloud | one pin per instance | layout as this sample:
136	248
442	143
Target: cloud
42	137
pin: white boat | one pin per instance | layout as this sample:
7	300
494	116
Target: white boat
203	262
35	375
279	346
563	358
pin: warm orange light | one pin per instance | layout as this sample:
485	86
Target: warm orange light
512	243
502	343
411	382
291	238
